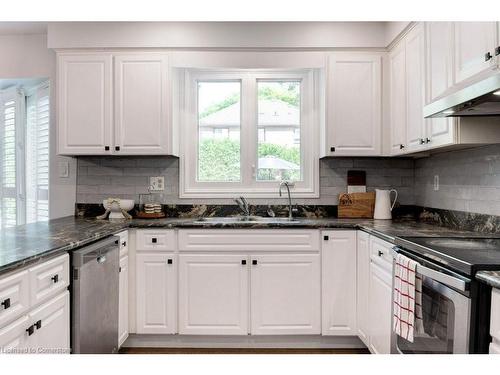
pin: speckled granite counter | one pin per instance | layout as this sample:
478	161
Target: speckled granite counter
29	243
489	277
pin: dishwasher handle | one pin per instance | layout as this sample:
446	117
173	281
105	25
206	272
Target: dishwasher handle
94	252
439	274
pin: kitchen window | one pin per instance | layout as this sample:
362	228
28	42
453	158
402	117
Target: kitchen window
24	155
243	132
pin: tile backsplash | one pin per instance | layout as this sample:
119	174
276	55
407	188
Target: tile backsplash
128	176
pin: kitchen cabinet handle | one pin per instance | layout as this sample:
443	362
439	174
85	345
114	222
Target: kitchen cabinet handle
117	148
254	262
55	279
154	240
119	269
488	56
38	324
497	51
106	148
332	149
326	238
244	262
124	243
169	261
380	253
401	146
30	330
427	140
6	304
422	141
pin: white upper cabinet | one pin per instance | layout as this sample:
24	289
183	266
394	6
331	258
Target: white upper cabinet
338	280
397	76
130	118
354	101
141	104
474	46
84	98
415	84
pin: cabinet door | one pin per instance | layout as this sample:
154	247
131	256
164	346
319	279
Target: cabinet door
472	41
439	58
14	338
285	294
213	294
123	304
441	131
338	270
141	104
363	286
52	326
380	310
156	293
84	98
354	105
397	67
14	296
415	84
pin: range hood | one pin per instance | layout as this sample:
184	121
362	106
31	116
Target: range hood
479	99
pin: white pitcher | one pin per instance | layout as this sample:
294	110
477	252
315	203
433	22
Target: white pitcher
383	206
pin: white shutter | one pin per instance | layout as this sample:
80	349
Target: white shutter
10	101
37	154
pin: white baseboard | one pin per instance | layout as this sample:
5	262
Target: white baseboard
192	341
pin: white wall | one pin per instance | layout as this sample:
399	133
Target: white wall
324	35
27	56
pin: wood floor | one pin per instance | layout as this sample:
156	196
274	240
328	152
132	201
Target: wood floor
239	351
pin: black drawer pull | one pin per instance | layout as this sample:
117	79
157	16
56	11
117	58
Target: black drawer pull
6	303
326	238
55	279
117	148
401	147
488	56
380	253
124	243
244	262
154	240
106	148
30	330
38	324
497	51
254	262
332	149
169	261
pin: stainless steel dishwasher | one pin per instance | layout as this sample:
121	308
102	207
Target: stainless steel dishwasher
95	274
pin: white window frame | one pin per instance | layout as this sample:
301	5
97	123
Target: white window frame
249	186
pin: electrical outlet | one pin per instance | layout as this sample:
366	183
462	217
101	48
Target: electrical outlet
157	183
436	182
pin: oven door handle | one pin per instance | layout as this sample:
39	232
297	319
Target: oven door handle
457	282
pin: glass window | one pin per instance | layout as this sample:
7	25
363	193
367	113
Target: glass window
278	126
219	122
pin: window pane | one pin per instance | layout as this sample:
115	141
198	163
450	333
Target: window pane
219	118
279	131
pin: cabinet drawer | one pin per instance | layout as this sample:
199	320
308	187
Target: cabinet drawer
148	239
14	295
13	337
123	243
248	240
380	253
49	278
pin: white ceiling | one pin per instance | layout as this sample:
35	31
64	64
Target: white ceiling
23	28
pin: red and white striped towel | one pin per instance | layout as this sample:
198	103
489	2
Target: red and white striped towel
407	304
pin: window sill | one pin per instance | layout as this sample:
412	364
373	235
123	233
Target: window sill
268	193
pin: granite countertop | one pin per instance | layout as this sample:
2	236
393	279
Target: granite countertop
491	278
29	243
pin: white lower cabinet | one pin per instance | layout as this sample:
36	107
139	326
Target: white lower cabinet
380	311
13	337
156	295
123	329
363	286
213	294
285	294
339	283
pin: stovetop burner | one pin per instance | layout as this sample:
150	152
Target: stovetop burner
463	255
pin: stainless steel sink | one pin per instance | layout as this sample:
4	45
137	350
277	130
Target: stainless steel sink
245	219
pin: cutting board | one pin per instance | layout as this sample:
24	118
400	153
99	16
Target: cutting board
356	205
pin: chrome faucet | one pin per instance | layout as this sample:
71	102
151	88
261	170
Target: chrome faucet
243	204
290	209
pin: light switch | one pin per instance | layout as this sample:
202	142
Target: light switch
63	169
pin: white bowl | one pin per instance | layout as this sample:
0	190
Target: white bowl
116	205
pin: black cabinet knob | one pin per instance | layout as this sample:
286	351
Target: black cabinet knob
401	147
169	261
427	140
380	253
117	148
488	56
254	262
497	51
6	303
422	141
332	149
119	269
30	330
154	240
55	278
244	262
106	148
124	243
38	324
326	238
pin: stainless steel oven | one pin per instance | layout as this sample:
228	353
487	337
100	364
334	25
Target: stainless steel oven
446	311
